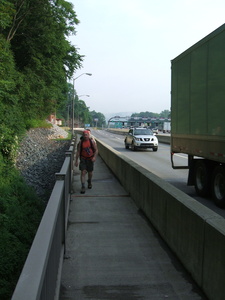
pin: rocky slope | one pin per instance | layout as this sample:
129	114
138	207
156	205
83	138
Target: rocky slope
40	156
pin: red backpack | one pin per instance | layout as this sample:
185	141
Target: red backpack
86	149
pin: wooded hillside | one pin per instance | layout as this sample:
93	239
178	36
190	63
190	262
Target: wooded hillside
36	60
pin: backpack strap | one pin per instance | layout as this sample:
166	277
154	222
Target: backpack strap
92	146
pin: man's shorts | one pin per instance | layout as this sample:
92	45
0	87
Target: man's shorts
86	164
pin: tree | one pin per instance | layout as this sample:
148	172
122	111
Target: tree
146	114
165	114
10	112
83	113
99	117
42	53
35	61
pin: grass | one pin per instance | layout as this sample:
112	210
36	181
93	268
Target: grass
38	124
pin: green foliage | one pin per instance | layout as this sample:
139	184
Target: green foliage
44	55
97	115
82	112
8	142
82	115
164	114
33	123
36	59
7	69
20	214
11	249
6	14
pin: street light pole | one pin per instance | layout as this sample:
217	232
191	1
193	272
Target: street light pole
89	74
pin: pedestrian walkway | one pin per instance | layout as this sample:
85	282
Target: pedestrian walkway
113	252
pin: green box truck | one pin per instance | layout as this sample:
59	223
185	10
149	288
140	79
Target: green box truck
198	114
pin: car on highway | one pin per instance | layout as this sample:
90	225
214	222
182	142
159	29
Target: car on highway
138	138
155	130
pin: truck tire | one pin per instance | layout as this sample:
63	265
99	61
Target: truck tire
202	178
218	186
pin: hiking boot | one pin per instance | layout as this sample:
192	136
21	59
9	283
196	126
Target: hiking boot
89	184
82	191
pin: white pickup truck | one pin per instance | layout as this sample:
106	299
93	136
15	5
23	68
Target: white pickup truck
141	138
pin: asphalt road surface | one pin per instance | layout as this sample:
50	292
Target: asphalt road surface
158	163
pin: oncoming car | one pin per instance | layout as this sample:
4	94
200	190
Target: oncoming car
141	138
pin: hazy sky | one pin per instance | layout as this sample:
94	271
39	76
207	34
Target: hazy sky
128	47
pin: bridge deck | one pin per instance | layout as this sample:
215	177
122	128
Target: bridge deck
113	252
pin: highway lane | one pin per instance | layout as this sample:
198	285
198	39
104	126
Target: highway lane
159	164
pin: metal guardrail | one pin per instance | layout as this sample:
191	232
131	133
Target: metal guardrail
41	274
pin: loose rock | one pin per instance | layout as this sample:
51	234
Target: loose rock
40	156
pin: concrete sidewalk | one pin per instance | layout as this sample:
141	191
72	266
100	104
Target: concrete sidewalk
112	252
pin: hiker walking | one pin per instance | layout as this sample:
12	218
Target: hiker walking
86	151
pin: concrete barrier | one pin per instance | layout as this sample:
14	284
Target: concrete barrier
193	232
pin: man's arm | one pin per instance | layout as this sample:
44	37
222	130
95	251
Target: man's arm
95	151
